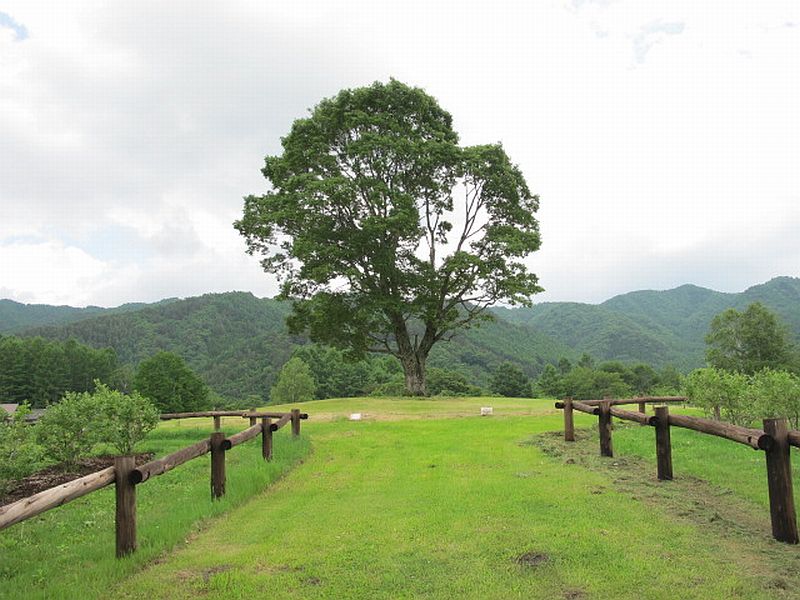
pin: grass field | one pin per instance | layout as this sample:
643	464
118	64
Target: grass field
425	499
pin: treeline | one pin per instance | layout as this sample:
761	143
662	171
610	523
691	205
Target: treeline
40	371
610	379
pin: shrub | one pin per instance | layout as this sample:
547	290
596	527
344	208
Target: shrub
67	430
20	455
123	420
776	394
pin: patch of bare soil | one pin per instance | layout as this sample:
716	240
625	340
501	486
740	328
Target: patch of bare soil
58	474
531	559
743	528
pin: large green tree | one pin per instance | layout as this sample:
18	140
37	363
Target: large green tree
386	233
295	383
748	341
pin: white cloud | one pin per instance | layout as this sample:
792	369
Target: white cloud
133	130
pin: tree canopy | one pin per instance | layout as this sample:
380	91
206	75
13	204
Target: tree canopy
387	234
748	341
295	383
172	386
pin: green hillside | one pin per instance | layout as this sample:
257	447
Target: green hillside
15	316
659	327
238	342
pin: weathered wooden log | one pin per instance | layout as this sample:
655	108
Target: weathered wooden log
162	465
225	413
53	497
295	422
266	438
663	444
217	465
242	436
779	479
283	420
125	504
629	415
585	408
794	438
604	424
638	400
569	423
755	438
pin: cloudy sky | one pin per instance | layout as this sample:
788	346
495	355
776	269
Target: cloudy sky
662	137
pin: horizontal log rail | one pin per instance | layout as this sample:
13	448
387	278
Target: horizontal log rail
245	414
242	436
283	420
639	400
775	440
755	438
55	496
162	465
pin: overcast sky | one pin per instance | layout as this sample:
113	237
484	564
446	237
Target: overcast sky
662	137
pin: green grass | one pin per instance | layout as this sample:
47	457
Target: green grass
424	499
68	552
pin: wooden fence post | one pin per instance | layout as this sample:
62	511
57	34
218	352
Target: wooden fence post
569	424
266	438
643	410
779	478
252	419
604	424
217	423
217	465
663	444
295	422
125	505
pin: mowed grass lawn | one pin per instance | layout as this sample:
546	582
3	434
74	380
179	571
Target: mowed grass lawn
425	499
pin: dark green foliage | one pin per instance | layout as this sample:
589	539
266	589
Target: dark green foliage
338	377
165	379
442	382
508	380
748	341
40	371
612	379
361	225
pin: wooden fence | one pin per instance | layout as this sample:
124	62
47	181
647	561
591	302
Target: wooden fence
125	475
774	440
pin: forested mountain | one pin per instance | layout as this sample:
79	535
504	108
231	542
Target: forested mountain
237	342
15	316
658	327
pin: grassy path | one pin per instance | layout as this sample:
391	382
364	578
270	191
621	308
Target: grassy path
455	507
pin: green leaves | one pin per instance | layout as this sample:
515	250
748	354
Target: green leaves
748	341
378	224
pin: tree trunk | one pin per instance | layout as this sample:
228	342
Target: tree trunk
414	369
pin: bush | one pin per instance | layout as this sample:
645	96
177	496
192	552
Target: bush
20	455
442	382
121	420
67	430
776	394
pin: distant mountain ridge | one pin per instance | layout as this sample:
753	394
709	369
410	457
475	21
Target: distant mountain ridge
238	342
